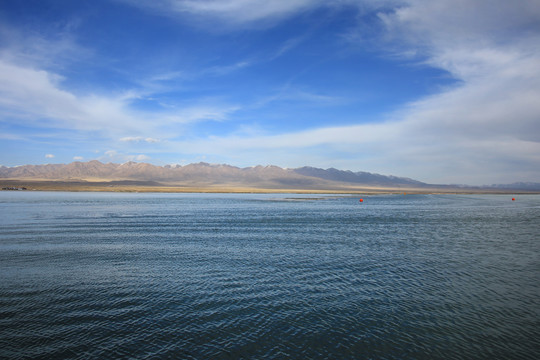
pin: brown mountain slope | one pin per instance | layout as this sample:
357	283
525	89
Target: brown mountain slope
203	174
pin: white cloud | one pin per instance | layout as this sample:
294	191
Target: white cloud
206	112
139	139
142	157
29	48
78	158
49	156
36	97
464	36
33	92
233	12
120	157
491	118
226	69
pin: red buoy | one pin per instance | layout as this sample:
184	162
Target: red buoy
513	199
361	200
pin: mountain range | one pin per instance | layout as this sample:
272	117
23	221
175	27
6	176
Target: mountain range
204	175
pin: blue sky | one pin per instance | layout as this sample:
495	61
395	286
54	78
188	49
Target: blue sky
444	91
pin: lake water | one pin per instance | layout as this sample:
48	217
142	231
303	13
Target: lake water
227	276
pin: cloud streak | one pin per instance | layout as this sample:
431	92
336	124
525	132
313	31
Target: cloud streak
139	139
37	97
232	12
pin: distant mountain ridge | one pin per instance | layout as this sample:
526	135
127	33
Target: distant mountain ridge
360	177
204	174
214	175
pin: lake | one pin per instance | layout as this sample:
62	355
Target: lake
268	276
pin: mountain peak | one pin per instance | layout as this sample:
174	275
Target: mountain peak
205	174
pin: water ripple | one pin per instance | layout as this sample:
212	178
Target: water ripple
233	277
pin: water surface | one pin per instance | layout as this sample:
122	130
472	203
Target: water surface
210	276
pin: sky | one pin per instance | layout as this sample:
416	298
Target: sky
444	92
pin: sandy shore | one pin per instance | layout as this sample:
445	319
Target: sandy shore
134	186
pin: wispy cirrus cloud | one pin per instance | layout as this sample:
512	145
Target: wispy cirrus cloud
36	91
37	96
231	12
25	47
119	156
139	139
227	69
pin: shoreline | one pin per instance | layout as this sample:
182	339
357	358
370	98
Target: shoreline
152	187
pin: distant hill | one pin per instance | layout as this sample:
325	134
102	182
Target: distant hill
204	175
356	177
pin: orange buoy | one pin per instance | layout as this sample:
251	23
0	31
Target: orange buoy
513	199
361	200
